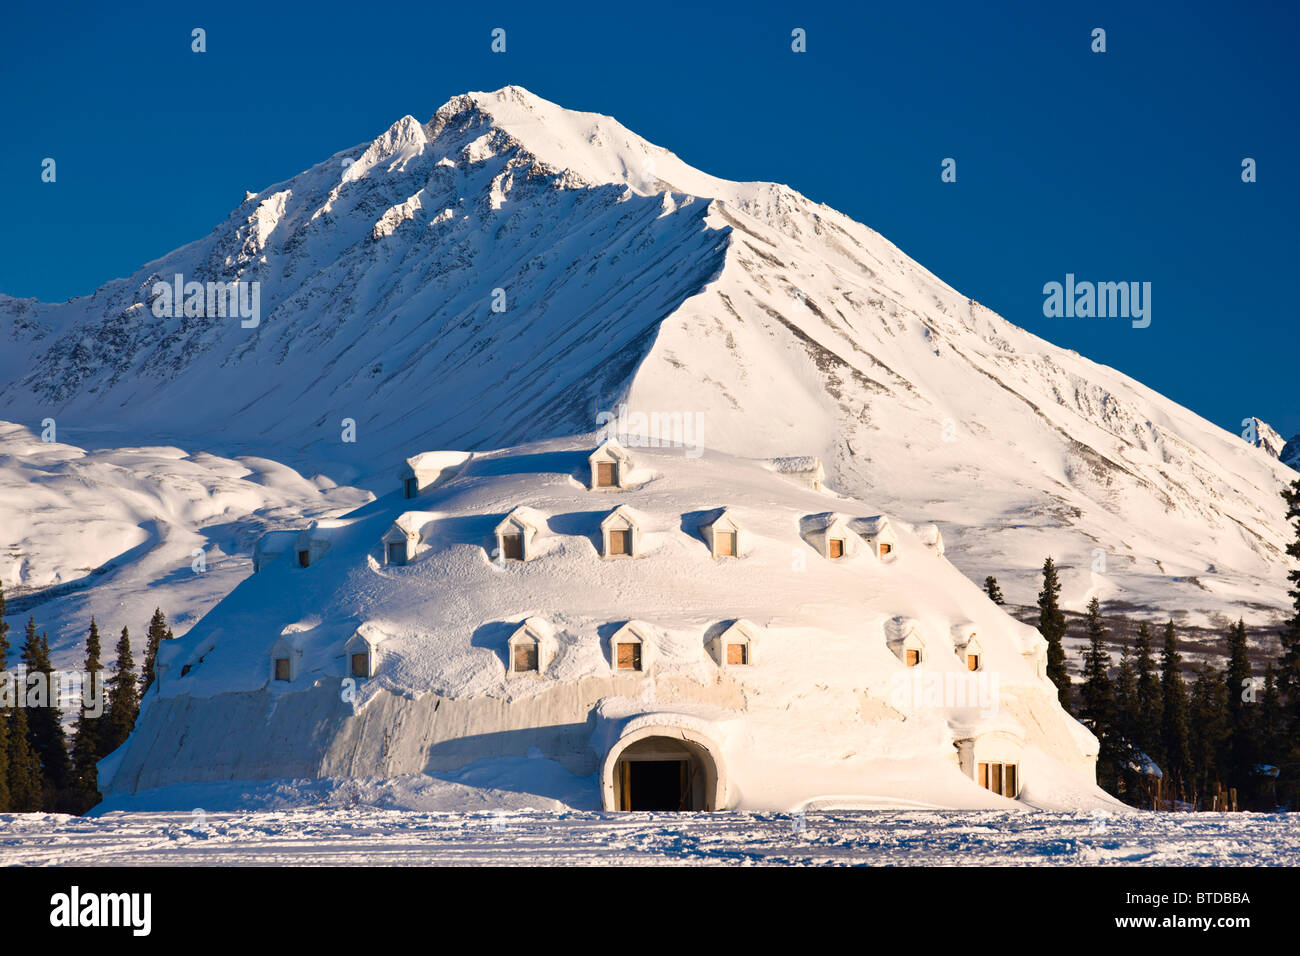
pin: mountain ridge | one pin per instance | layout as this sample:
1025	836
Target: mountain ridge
631	278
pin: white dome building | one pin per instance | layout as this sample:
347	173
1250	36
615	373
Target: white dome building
782	667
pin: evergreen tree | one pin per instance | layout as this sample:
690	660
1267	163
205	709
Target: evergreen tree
1288	671
1173	728
87	735
1146	727
1127	715
45	722
1239	695
158	632
1097	700
1270	735
25	789
1208	717
992	590
123	700
4	711
1051	624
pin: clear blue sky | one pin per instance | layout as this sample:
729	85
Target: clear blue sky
1117	166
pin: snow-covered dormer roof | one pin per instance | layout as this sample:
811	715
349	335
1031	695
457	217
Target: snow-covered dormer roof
931	537
725	520
622	516
533	629
610	450
430	463
876	526
367	635
407	527
521	518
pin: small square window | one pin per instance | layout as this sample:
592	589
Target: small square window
629	657
972	662
913	657
606	474
360	665
525	657
725	543
737	653
512	547
396	552
885	549
836	547
620	542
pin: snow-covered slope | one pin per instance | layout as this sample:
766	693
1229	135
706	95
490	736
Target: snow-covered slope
114	533
625	275
822	709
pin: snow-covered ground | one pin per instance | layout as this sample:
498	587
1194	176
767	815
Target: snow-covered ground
368	836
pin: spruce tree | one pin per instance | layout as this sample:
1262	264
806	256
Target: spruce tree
1208	718
1051	624
1288	669
1242	746
1097	699
45	723
4	711
158	632
992	590
123	699
1127	710
87	735
1173	728
1270	736
25	786
1146	728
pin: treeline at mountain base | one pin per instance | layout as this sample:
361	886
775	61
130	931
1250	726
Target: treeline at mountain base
40	768
1222	740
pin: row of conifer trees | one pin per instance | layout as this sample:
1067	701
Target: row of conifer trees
1228	739
40	768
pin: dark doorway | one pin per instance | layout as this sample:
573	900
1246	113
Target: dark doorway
658	785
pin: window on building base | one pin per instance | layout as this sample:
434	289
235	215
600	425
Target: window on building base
304	558
999	777
737	653
396	553
524	658
512	547
629	657
913	657
972	662
282	668
412	487
360	665
835	547
885	549
606	474
620	542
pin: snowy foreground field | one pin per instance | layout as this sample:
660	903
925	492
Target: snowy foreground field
337	836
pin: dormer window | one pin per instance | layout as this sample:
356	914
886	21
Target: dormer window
835	547
972	662
360	665
531	647
913	656
885	548
512	547
607	474
304	558
396	552
282	669
411	486
723	533
629	656
734	645
620	533
523	658
609	466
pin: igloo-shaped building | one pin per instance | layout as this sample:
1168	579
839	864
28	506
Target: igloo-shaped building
807	674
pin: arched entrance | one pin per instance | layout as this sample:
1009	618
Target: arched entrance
663	768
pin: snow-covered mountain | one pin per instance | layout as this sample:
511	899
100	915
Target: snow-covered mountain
511	269
1266	438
